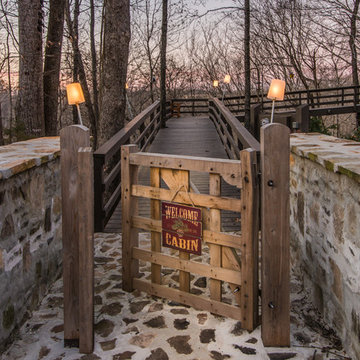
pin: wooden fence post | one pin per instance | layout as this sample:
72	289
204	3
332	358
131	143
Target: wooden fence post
275	216
130	266
250	240
254	120
71	139
302	117
99	162
86	249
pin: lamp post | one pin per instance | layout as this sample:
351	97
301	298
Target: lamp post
227	79
276	92
75	96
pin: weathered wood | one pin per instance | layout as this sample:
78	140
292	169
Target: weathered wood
196	301
71	139
302	117
212	237
86	250
215	225
176	180
130	239
227	168
250	236
275	279
155	215
184	197
213	272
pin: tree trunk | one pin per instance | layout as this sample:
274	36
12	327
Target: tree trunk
1	129
247	61
115	60
94	61
30	105
51	76
163	63
79	69
354	64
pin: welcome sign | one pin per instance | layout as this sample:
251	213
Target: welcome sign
181	227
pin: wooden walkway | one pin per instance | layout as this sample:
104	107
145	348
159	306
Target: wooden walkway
193	136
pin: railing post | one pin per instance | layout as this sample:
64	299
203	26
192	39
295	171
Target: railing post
302	117
254	120
71	139
275	232
99	219
86	250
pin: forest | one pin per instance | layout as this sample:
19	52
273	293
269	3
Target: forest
126	54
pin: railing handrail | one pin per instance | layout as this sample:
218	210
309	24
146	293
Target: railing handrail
297	92
113	145
245	137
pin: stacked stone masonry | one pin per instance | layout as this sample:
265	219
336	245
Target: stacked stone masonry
30	228
325	228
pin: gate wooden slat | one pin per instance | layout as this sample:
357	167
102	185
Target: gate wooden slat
212	237
214	272
183	197
197	301
275	155
129	208
155	181
215	225
250	240
86	250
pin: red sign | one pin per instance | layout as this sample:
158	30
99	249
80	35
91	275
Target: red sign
181	227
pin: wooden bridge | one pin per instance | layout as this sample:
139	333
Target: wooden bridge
194	160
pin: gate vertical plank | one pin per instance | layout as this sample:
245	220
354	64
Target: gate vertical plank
275	155
71	139
179	180
130	266
250	240
86	250
215	225
156	215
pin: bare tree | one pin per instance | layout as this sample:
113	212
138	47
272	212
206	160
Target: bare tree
163	62
30	105
51	76
115	60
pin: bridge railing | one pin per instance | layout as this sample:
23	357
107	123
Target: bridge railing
315	98
191	106
233	134
107	169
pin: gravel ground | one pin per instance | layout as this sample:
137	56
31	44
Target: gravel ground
138	327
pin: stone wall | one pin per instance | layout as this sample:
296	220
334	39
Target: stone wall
30	228
325	229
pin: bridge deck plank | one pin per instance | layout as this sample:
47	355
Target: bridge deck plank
193	136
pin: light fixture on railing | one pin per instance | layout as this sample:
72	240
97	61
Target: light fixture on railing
276	92
215	83
75	96
226	80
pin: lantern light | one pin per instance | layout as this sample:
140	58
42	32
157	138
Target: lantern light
126	86
227	79
75	96
276	92
216	83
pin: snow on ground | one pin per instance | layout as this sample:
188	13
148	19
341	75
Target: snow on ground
138	327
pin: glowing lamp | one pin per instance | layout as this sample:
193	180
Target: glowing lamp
276	92
227	79
216	83
75	96
126	86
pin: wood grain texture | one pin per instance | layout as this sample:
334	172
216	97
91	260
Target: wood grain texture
130	267
275	154
71	139
250	236
196	301
155	213
86	250
215	225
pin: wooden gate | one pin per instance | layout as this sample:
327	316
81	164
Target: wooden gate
233	258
